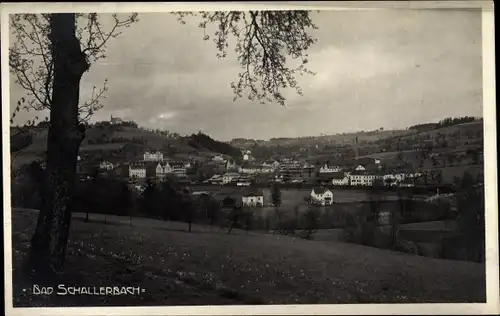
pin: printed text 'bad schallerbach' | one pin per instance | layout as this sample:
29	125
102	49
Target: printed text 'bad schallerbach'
62	289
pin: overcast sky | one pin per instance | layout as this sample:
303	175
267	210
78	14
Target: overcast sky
374	69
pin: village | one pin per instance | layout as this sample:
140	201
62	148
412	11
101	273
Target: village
251	173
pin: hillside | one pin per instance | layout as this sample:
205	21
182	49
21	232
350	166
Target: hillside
125	142
337	139
208	267
431	130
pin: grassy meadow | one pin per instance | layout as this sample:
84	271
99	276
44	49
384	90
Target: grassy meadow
210	267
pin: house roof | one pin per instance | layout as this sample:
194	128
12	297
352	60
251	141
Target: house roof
177	164
252	167
231	174
337	175
365	173
320	190
254	192
137	165
270	162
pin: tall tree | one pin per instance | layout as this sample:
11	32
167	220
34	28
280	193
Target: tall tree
48	57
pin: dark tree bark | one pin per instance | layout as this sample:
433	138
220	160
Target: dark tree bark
48	245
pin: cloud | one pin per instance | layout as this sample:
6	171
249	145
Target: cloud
374	69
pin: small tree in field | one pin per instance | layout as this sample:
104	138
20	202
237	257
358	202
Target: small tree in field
376	199
276	195
311	219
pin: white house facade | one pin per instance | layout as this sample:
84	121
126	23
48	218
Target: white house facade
163	168
340	181
231	165
321	196
137	171
250	169
253	199
153	156
178	168
363	178
229	177
247	155
329	169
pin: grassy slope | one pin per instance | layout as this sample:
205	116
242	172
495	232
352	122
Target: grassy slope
208	266
153	140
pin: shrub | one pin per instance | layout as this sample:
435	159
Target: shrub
359	229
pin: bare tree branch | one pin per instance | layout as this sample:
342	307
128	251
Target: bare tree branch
31	63
264	39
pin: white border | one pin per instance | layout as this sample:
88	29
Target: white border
490	164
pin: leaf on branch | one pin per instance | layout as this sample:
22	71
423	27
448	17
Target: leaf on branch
264	40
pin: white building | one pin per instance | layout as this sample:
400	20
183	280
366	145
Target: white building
247	155
363	178
163	168
229	177
329	169
376	161
106	165
322	196
253	199
115	120
137	171
360	168
178	168
153	156
250	169
231	165
272	164
340	179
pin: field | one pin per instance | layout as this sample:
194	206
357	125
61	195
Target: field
457	171
211	267
349	138
462	128
291	197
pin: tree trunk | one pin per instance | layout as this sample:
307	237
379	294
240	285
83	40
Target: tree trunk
48	244
87	216
189	229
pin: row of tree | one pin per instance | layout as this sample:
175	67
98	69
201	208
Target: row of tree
449	121
204	141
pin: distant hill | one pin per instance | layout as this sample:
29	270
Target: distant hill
337	139
447	125
125	142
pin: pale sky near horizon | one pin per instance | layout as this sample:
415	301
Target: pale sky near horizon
383	68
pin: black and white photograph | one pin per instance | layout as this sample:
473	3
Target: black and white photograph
232	158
